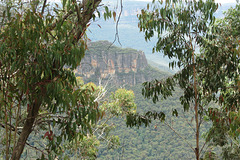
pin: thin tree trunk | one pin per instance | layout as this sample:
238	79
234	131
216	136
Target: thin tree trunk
7	144
27	129
196	109
83	19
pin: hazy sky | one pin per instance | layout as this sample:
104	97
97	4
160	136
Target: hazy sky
218	1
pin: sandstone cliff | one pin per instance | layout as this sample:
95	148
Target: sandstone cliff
125	66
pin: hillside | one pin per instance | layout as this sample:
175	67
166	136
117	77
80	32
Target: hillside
158	141
122	65
130	68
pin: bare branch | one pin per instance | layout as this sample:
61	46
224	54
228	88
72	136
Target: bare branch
43	7
116	34
180	136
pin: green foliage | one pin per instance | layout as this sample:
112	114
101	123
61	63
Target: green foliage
188	34
209	155
207	52
121	102
84	149
157	140
86	146
40	46
220	59
180	26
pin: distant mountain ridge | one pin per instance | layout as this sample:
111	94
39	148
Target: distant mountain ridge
123	65
128	30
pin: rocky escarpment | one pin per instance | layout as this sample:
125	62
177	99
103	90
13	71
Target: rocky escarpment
123	66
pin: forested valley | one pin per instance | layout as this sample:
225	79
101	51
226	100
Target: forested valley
95	79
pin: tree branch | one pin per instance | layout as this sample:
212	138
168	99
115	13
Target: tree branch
43	7
180	136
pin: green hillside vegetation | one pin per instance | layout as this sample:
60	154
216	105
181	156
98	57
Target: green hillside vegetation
160	67
158	141
154	72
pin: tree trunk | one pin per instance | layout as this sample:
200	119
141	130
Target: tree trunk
83	18
27	129
196	108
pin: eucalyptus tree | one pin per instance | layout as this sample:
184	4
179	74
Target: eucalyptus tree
206	52
41	43
181	27
219	66
119	104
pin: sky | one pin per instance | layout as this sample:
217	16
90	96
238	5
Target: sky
218	1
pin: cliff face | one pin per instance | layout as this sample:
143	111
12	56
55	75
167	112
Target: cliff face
125	66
